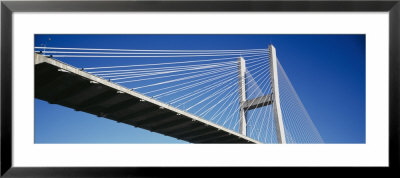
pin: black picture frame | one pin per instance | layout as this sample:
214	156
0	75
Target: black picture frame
8	7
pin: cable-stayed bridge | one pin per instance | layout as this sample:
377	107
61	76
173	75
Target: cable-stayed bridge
200	96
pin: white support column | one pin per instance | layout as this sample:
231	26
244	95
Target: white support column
280	131
242	95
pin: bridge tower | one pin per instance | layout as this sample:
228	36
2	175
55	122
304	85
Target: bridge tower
272	98
242	96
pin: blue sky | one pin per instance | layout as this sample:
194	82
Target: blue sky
327	71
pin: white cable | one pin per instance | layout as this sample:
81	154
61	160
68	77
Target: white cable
96	49
167	63
191	71
170	53
167	76
185	78
207	98
197	91
190	86
174	69
212	107
87	56
200	79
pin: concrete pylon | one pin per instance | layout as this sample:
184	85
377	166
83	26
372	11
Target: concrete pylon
242	95
280	130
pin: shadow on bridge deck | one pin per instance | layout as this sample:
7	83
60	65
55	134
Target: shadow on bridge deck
60	83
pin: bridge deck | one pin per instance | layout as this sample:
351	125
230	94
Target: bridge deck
60	83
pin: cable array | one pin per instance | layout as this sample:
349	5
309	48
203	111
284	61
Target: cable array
299	128
201	82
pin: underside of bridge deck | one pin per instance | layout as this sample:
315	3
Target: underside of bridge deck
59	83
